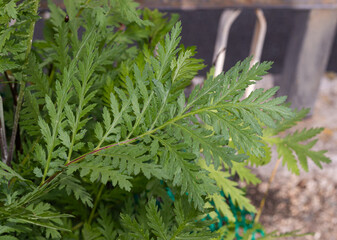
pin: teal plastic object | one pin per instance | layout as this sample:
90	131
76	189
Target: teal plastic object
238	213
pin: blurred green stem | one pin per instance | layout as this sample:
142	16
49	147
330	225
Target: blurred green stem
98	197
271	179
22	89
3	143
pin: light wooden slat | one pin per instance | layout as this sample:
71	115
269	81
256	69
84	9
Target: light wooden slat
226	20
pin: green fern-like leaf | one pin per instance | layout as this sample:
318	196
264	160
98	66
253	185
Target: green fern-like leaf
134	159
106	224
297	146
290	149
134	229
155	221
185	173
244	173
229	187
72	185
99	168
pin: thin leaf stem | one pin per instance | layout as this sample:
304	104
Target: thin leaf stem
82	8
77	226
25	159
160	110
50	152
140	136
75	128
16	124
147	103
115	122
31	31
52	74
55	127
91	217
271	179
3	142
100	149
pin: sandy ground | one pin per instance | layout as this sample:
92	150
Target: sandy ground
307	202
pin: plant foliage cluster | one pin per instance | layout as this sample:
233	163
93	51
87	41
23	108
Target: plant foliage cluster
101	127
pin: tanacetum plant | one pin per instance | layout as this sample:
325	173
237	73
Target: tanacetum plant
98	140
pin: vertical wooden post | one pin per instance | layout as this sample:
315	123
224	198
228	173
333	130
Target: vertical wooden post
226	20
307	56
257	43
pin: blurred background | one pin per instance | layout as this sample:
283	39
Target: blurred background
200	29
300	39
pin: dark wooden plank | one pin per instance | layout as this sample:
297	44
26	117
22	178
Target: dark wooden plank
44	4
307	56
211	4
